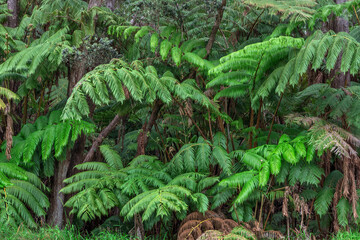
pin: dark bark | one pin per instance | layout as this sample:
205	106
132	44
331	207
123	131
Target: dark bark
215	28
104	133
341	24
340	79
142	139
77	156
56	212
13	6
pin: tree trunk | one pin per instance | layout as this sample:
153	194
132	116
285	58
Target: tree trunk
111	4
56	213
340	79
215	28
94	3
142	139
13	6
77	156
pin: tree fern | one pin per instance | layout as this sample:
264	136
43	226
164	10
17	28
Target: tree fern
47	136
22	198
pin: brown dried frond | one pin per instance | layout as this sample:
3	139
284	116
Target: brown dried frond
218	223
195	224
9	133
195	216
354	196
186	235
207	225
285	202
326	135
210	93
189	225
212	214
345	182
231	223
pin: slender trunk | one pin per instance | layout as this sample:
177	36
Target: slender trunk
104	133
142	139
215	28
13	6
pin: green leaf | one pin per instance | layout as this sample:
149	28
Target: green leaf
48	141
154	42
323	200
253	160
176	55
343	209
264	174
223	158
246	191
288	153
300	149
164	49
284	138
310	153
31	144
275	163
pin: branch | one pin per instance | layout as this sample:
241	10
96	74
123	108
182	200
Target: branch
104	133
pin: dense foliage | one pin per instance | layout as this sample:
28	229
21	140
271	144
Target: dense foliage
180	119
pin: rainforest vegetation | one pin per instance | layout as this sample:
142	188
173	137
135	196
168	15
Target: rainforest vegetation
179	119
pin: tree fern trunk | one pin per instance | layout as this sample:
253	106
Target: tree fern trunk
94	3
13	6
56	213
142	139
215	28
111	4
142	142
340	25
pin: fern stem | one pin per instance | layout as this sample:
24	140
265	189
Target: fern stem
162	141
210	127
236	213
258	119
267	218
251	125
261	209
254	24
357	17
40	101
273	119
25	110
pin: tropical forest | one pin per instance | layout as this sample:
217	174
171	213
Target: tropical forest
179	119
